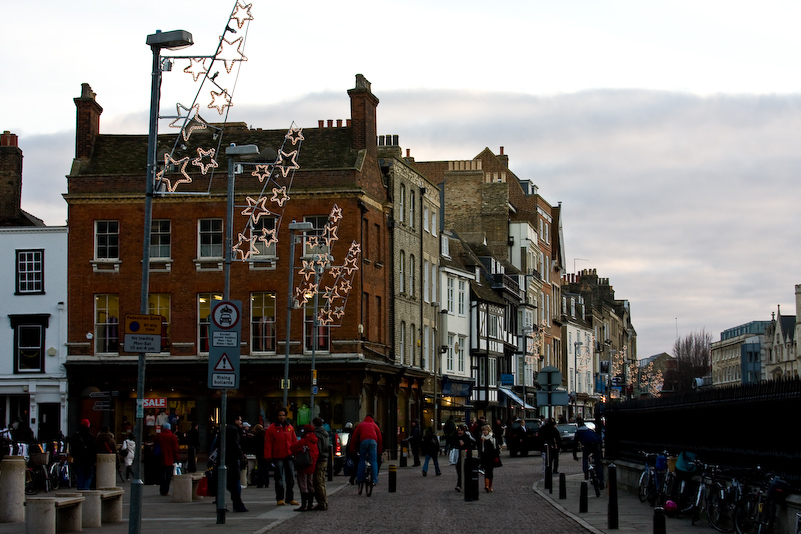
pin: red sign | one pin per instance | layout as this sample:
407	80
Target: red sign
157	402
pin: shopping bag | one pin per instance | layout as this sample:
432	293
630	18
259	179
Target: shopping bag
453	456
203	487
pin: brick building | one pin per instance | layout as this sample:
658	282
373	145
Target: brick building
359	367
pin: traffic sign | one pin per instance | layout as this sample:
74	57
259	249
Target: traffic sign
142	333
225	331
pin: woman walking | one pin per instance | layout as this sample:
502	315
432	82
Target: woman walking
463	442
488	451
430	447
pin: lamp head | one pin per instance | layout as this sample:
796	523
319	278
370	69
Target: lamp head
172	40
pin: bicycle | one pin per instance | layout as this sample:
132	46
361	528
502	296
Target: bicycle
367	481
653	480
37	477
592	475
755	513
722	498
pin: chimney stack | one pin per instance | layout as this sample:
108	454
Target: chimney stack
88	122
363	104
504	158
10	177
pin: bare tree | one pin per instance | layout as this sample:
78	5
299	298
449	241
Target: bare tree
693	354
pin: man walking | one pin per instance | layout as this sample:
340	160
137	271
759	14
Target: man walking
168	445
83	448
234	462
278	438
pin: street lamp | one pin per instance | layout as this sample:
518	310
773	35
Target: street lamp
172	40
576	346
302	227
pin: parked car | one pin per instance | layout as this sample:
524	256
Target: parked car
521	442
567	431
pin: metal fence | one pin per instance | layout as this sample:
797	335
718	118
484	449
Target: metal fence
738	426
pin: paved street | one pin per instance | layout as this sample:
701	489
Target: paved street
420	505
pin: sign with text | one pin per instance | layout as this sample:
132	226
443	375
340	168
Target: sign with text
225	331
142	333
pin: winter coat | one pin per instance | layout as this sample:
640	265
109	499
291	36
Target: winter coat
278	440
168	442
367	429
323	442
309	440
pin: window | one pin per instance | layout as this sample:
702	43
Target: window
412	271
412	200
29	342
314	242
30	271
427	360
413	345
449	355
402	273
318	338
160	239
434	223
107	240
210	238
426	285
462	297
159	304
460	354
425	218
402	344
264	228
402	203
450	295
205	302
434	297
107	324
262	322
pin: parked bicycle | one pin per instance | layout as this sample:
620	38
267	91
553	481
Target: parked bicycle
724	492
653	478
755	513
37	477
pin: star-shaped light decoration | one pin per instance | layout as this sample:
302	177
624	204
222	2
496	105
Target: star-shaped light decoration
197	67
241	14
245	254
269	236
350	265
324	317
201	154
336	214
186	179
256	208
230	52
262	172
220	101
329	234
345	286
279	195
338	312
294	135
335	271
288	161
307	271
187	123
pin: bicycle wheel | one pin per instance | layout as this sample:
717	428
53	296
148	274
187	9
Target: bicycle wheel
369	488
746	514
360	486
32	485
720	509
645	486
595	483
55	476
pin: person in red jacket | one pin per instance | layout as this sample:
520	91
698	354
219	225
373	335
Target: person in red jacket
368	436
278	440
168	443
308	442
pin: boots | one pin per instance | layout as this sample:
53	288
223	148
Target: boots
304	500
490	485
487	485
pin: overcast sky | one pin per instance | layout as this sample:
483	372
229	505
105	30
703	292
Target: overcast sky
668	130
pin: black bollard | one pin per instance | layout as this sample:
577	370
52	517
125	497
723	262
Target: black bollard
583	497
393	477
470	478
548	479
330	469
562	487
613	512
659	520
403	456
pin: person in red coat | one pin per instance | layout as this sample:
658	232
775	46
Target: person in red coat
308	442
278	439
168	443
368	436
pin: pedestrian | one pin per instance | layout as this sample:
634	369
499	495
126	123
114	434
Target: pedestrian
106	444
278	438
488	453
430	448
449	431
167	445
127	451
83	449
368	436
262	466
414	439
551	445
235	461
497	432
323	445
306	443
463	442
192	444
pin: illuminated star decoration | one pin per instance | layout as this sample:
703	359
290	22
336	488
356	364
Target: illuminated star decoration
295	136
220	101
245	254
256	208
239	16
288	162
168	160
197	67
187	123
201	154
279	196
230	52
262	172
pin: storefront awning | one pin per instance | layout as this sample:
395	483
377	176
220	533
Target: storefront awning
514	396
455	388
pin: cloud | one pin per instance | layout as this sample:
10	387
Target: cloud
688	204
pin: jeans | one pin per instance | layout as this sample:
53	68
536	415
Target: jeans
83	475
284	479
367	450
436	463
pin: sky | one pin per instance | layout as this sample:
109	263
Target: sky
667	130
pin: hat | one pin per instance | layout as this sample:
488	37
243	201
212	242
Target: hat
165	426
85	422
245	424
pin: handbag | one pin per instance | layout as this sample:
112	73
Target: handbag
303	459
453	456
496	461
203	487
123	452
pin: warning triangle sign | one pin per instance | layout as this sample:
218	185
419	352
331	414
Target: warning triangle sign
224	364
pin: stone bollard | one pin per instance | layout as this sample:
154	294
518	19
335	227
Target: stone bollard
106	471
91	515
40	515
12	489
393	478
182	488
613	511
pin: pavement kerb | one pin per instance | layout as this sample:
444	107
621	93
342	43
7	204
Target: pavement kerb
548	496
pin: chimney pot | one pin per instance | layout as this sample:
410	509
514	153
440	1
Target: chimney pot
501	151
320	124
407	152
339	123
8	139
330	123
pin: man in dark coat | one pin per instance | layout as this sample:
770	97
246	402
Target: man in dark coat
234	462
83	449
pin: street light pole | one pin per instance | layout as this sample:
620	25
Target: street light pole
171	40
576	346
302	227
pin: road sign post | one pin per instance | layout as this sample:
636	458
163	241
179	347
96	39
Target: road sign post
225	331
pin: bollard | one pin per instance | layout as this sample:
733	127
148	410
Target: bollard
12	489
470	478
548	479
393	478
659	520
330	469
562	487
403	456
583	505
613	512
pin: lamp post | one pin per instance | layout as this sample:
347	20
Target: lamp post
172	40
293	227
576	346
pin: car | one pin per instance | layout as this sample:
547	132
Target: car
520	442
567	431
339	443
